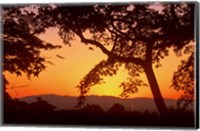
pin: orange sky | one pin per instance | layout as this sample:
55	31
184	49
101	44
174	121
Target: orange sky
62	77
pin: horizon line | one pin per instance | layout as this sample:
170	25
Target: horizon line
92	95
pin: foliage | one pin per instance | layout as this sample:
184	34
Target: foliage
92	109
41	106
183	79
116	108
21	45
138	35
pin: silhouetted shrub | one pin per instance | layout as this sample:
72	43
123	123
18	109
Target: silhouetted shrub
41	105
92	108
116	108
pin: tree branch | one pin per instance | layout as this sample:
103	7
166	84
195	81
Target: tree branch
137	61
120	32
93	42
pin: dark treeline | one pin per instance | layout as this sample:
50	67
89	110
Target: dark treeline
41	112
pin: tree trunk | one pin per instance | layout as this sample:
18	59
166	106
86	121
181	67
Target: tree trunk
159	101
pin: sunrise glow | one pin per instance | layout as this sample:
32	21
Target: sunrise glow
65	74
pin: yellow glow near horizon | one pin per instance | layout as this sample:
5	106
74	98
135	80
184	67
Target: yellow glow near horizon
63	77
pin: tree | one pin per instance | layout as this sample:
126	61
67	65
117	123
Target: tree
92	108
183	79
21	45
116	108
139	36
41	106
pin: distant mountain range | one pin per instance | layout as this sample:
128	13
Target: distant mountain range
105	102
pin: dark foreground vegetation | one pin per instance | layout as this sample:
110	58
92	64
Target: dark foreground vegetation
41	112
71	117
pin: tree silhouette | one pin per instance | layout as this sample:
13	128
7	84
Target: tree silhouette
116	108
41	106
138	36
92	108
141	37
183	79
21	47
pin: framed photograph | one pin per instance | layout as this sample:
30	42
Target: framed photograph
121	65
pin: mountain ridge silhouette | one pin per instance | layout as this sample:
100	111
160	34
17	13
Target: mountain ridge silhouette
66	102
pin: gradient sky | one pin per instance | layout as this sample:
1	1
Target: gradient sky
63	77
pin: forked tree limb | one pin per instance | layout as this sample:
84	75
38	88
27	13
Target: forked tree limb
137	61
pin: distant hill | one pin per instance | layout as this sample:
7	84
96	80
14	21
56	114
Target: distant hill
105	102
